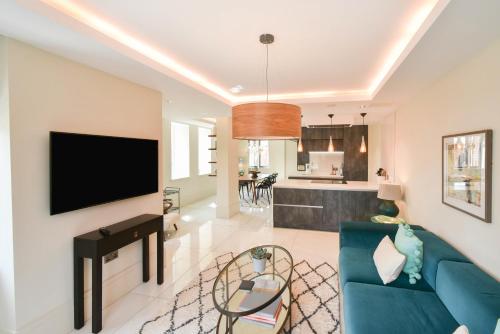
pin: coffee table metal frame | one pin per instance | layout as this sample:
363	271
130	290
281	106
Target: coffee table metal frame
232	316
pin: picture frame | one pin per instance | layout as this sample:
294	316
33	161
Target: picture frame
467	173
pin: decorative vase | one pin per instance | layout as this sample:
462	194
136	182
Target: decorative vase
388	208
259	265
380	179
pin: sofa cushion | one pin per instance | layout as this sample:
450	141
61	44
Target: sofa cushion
356	265
367	234
435	251
471	295
388	261
412	247
378	309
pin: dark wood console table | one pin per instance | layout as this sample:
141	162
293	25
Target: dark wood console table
94	245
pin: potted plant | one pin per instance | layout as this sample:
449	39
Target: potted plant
259	258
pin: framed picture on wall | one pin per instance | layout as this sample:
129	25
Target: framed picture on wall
467	168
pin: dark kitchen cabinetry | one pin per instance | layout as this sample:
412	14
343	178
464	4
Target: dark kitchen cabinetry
355	162
346	139
322	210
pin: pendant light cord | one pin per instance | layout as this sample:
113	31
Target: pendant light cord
267	67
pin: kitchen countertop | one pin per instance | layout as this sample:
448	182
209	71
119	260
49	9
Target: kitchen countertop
308	184
316	176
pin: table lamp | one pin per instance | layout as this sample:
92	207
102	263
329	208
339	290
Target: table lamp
388	193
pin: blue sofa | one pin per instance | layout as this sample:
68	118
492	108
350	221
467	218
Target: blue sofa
452	292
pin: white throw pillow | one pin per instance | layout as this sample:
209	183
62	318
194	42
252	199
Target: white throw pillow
388	260
461	330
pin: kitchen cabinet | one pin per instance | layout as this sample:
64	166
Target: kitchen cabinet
346	139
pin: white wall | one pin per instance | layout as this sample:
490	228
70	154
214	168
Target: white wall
195	187
47	93
7	298
388	145
228	201
290	158
374	150
465	99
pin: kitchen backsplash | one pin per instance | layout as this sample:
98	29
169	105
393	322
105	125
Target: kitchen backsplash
322	162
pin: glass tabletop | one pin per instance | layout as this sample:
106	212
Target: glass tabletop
275	273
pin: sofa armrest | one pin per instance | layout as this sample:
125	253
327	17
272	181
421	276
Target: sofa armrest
364	234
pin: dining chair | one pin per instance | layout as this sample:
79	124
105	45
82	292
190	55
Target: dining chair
265	185
242	185
273	178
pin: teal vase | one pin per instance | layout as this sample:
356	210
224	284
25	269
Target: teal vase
388	208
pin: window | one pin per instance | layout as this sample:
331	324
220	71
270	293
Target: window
204	155
258	153
179	138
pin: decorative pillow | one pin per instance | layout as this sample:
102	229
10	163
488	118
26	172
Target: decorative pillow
413	248
381	219
388	260
461	330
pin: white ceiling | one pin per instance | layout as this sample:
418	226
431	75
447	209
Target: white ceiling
325	51
329	46
181	101
320	45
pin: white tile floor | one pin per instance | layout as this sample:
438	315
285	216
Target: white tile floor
200	238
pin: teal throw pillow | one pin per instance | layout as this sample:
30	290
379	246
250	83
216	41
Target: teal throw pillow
411	246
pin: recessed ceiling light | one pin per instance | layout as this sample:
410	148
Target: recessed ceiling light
236	89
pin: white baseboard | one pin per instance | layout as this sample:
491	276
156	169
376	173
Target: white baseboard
60	319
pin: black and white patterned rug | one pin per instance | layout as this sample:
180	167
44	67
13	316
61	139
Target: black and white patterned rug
315	304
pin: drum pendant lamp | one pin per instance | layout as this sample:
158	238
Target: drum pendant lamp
266	120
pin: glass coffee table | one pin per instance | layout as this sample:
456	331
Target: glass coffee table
227	296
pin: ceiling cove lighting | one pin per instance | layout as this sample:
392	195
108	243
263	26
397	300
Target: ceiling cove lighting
266	120
362	149
119	35
417	25
331	148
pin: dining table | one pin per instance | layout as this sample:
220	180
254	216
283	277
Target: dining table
253	183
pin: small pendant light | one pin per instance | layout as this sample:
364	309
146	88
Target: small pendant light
330	144
362	149
300	147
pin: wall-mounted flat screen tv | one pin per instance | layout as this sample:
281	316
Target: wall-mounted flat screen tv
87	170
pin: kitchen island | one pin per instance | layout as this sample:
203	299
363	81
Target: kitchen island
322	205
315	177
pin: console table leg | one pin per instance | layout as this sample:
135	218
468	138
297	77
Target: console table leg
96	294
145	258
159	257
78	307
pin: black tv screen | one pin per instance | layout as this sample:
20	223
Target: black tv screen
87	170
